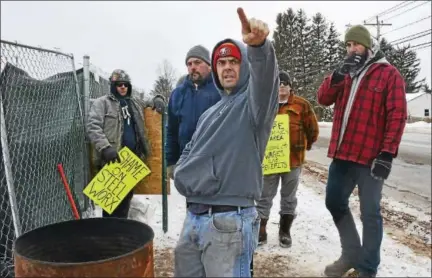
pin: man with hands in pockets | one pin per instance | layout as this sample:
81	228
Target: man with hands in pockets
219	171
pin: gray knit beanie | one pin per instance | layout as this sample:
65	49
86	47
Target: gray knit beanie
200	52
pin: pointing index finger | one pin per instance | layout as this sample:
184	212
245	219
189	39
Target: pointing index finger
243	19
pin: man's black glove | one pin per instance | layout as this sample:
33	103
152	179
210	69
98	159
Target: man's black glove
381	166
159	104
351	62
110	155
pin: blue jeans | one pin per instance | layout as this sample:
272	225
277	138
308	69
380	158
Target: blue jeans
217	244
342	179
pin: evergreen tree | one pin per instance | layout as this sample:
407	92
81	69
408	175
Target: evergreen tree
333	49
307	50
318	40
408	64
302	58
406	61
426	88
284	40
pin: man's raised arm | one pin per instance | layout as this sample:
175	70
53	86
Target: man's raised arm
264	73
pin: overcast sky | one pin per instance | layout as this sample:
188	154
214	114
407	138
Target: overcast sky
138	36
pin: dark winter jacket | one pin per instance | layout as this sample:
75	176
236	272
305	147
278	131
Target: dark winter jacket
222	164
186	104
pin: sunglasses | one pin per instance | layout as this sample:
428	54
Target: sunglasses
121	84
283	83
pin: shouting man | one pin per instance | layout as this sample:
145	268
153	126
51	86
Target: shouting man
117	120
303	129
220	172
370	112
188	101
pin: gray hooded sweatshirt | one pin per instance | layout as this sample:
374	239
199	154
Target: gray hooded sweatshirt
221	165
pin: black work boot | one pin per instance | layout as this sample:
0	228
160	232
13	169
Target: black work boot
262	238
284	230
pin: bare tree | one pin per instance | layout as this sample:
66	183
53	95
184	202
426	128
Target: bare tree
167	77
166	70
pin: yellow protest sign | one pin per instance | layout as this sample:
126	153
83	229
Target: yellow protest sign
277	154
111	185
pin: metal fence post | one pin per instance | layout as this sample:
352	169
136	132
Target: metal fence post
86	101
8	171
82	117
164	176
77	89
86	85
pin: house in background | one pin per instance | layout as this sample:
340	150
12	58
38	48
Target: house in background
419	105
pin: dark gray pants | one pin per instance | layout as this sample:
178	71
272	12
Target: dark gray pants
288	202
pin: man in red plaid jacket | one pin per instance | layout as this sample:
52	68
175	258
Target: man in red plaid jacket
370	113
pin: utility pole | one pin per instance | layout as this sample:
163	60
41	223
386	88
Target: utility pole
378	25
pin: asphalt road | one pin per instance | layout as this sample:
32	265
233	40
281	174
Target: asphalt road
411	171
415	148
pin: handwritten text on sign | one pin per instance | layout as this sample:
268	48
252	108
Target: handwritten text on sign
277	154
111	185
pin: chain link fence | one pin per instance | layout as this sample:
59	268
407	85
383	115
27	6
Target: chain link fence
44	105
41	127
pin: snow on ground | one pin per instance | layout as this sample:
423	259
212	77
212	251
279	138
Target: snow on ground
315	239
417	127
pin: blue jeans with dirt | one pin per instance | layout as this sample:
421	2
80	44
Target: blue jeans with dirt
217	244
342	179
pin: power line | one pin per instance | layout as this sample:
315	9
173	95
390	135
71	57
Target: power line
412	37
392	9
421	45
421	4
406	25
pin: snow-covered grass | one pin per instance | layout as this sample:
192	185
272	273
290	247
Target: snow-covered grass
315	239
417	127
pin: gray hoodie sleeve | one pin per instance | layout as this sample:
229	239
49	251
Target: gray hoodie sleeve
95	125
263	83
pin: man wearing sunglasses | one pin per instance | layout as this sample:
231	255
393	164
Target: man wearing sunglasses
116	120
303	129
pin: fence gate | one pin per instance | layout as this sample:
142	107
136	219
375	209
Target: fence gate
41	126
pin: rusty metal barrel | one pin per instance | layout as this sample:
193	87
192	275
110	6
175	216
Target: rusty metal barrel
94	247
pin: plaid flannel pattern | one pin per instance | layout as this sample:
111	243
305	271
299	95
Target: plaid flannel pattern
378	115
304	128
